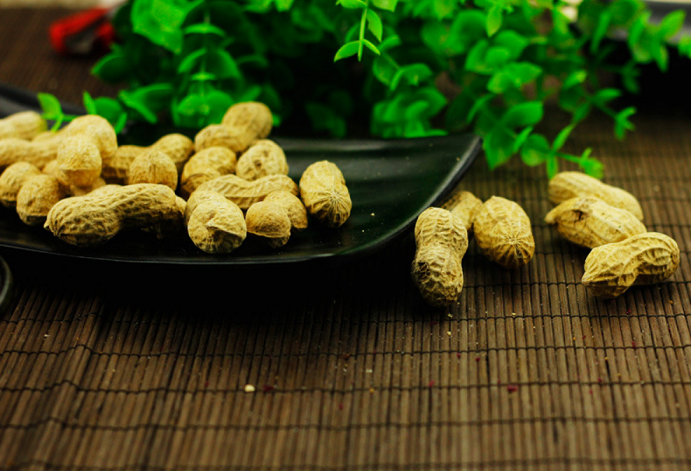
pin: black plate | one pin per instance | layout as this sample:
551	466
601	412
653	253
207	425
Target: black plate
390	181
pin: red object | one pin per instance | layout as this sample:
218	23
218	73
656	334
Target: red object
82	32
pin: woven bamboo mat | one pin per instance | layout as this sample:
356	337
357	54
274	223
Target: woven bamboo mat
109	368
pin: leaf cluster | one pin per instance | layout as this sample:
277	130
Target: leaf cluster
406	68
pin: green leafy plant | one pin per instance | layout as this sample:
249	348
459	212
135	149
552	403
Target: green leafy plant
406	68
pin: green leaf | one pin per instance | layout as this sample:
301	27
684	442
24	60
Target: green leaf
536	150
112	68
600	30
468	27
283	5
512	41
575	78
374	24
671	24
390	42
219	102
414	74
498	147
563	135
221	64
590	165
190	61
479	104
50	105
112	110
203	77
204	28
352	4
605	95
494	19
521	138
552	166
524	114
514	75
194	105
139	105
383	70
89	104
389	5
581	112
347	50
160	21
622	123
624	11
685	46
371	46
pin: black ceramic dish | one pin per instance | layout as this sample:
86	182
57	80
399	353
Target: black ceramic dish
390	181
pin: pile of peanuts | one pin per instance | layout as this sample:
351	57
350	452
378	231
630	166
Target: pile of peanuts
228	184
589	213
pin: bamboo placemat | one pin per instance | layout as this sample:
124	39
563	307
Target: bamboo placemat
109	368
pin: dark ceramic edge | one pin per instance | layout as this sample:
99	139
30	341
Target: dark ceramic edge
6	286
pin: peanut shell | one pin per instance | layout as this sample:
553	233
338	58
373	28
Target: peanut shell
268	221
37	196
293	206
503	232
566	185
325	194
22	125
590	222
95	218
463	205
264	157
210	163
244	193
215	224
441	242
12	179
641	259
152	166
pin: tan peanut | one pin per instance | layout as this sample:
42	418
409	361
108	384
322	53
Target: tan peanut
251	119
78	161
95	129
215	224
463	205
18	150
566	185
51	168
210	163
47	136
503	232
269	221
23	125
641	259
12	179
152	166
244	193
177	147
95	218
242	124
88	142
264	157
218	135
590	222
37	196
293	206
325	194
441	242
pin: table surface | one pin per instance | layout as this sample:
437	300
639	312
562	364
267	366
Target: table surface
111	368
